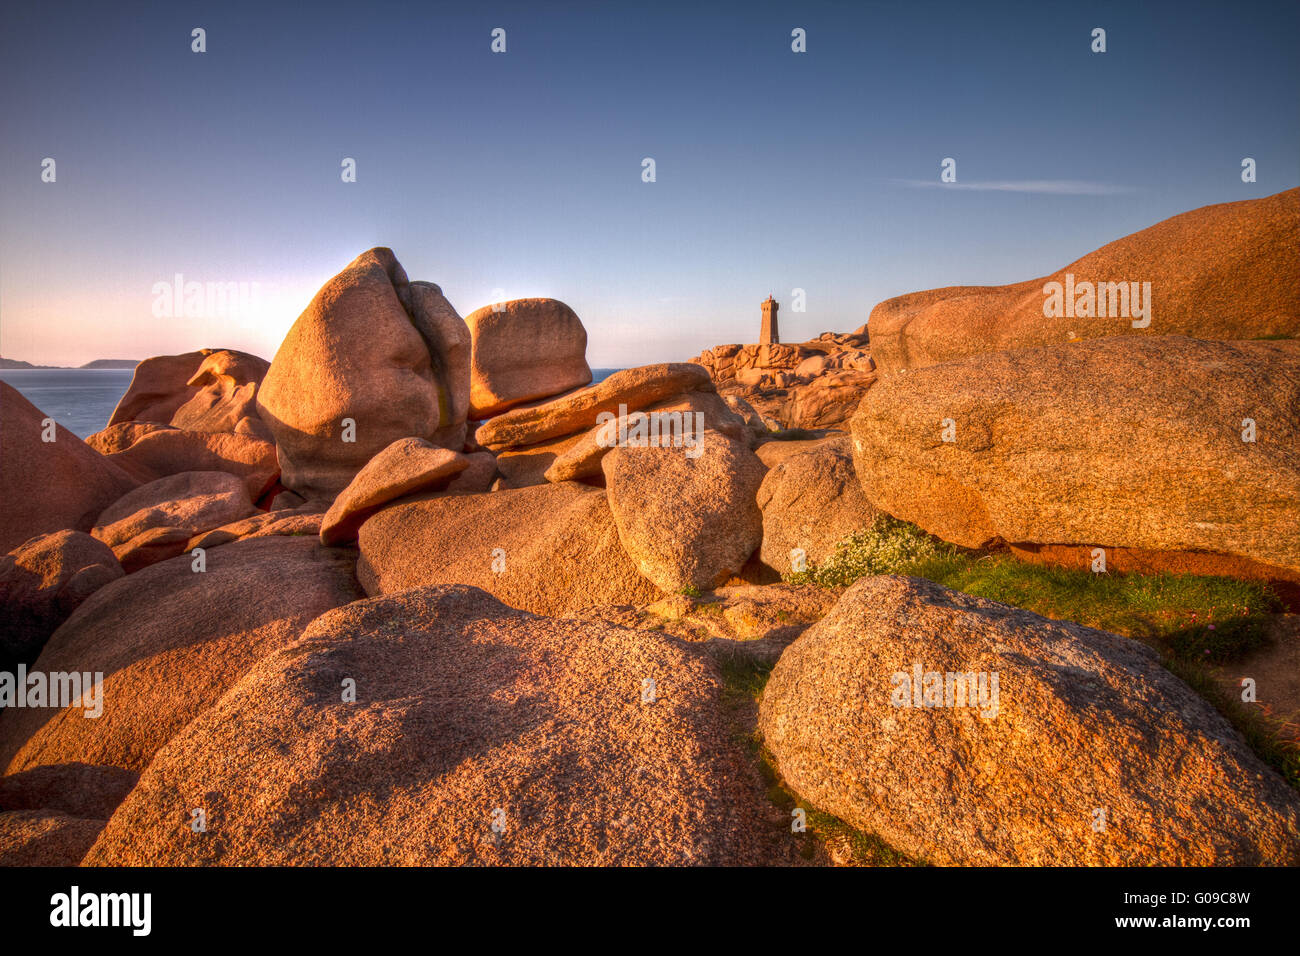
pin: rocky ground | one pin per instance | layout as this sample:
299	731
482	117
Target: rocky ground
413	593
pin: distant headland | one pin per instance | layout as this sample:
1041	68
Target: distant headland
97	363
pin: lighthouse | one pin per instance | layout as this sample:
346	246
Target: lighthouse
769	335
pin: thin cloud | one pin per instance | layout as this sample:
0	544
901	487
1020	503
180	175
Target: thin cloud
1057	187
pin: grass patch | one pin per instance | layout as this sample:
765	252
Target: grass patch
1191	617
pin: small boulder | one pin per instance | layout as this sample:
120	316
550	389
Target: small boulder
42	582
406	466
687	517
524	350
810	502
155	521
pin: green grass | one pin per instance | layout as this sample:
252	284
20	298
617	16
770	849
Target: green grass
1193	621
1192	617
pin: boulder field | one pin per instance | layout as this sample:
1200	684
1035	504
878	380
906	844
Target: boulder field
420	591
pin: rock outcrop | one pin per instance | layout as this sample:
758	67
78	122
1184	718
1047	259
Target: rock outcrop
1219	272
815	384
1082	726
1163	443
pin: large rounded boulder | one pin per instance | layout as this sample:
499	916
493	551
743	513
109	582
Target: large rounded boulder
1166	444
357	371
548	548
440	727
1219	272
169	640
967	732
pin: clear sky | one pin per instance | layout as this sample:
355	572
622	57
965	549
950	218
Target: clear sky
522	171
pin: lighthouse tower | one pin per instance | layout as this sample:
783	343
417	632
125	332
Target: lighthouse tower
769	334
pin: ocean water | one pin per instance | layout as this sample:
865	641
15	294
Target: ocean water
82	399
79	399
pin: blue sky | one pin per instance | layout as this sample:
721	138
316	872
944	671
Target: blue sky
522	171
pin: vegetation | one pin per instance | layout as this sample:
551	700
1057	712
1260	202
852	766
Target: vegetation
888	546
1192	617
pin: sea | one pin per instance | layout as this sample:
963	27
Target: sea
83	399
79	399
